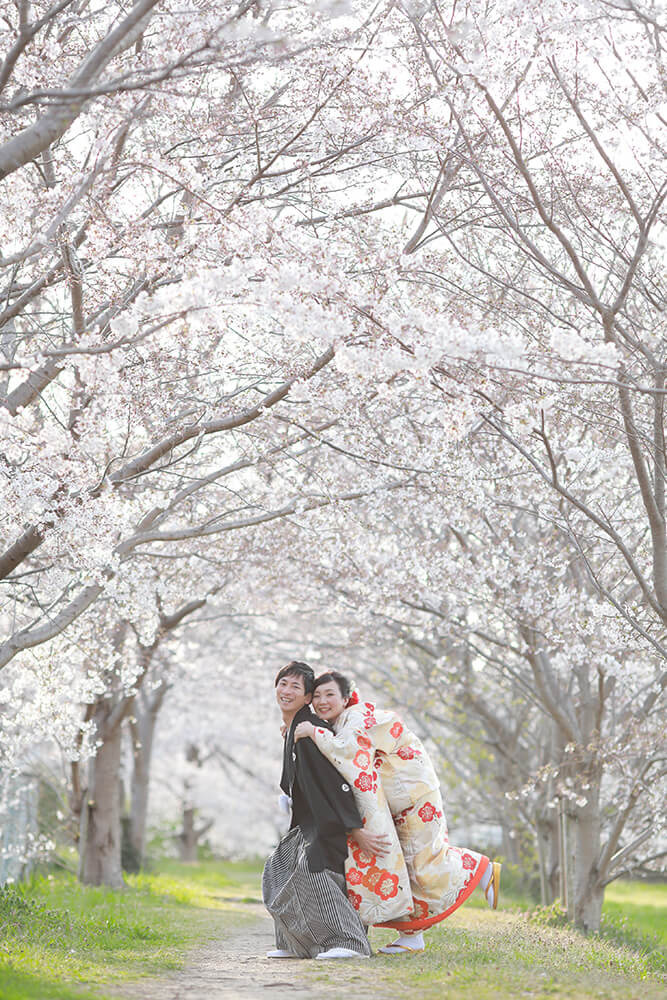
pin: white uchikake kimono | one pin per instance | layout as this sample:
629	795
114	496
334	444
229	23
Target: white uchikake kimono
423	878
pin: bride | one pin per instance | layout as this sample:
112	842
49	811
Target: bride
417	877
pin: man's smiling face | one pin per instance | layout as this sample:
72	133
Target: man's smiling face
291	694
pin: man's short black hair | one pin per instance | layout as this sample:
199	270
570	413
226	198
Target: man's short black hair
297	669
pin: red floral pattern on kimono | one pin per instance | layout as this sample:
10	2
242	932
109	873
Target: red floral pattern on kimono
366	782
423	877
381	882
387	886
363	858
428	813
401	817
362	759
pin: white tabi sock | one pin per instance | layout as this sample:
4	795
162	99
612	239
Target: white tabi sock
414	941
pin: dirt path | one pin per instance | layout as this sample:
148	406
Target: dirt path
235	966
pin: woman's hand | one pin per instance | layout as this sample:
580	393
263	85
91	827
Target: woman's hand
303	730
372	843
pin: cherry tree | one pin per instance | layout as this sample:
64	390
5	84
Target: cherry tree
150	303
146	270
514	652
381	286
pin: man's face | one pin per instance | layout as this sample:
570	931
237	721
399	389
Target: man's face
291	693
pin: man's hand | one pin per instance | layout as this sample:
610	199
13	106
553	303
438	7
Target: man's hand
372	843
303	730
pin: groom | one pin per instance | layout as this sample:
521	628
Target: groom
303	884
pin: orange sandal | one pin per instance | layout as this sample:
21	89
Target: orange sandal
494	884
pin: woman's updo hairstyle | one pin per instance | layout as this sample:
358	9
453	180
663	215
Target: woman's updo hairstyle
344	685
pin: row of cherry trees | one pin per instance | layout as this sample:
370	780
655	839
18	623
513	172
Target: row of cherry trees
356	309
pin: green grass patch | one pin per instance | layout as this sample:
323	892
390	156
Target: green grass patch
22	986
56	934
63	941
639	908
210	883
634	918
485	955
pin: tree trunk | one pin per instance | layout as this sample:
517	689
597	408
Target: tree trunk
188	837
142	734
100	862
589	912
547	856
509	842
139	802
588	893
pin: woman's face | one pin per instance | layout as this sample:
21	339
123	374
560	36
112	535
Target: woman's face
328	702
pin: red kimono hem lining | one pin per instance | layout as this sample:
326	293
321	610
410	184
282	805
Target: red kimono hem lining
424	922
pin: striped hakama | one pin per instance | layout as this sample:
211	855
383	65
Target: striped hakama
310	910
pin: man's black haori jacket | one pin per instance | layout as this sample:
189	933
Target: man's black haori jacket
323	805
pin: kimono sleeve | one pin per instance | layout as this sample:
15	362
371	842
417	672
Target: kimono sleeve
342	748
329	795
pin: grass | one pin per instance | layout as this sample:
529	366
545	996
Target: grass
23	986
56	935
487	955
63	941
480	955
637	910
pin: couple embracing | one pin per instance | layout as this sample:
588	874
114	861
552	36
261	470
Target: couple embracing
368	841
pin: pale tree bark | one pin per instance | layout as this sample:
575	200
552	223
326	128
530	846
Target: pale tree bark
142	729
100	839
101	814
190	836
548	858
27	145
589	891
34	535
576	715
100	803
579	852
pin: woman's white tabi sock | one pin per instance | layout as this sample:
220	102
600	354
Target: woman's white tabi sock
404	943
411	940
